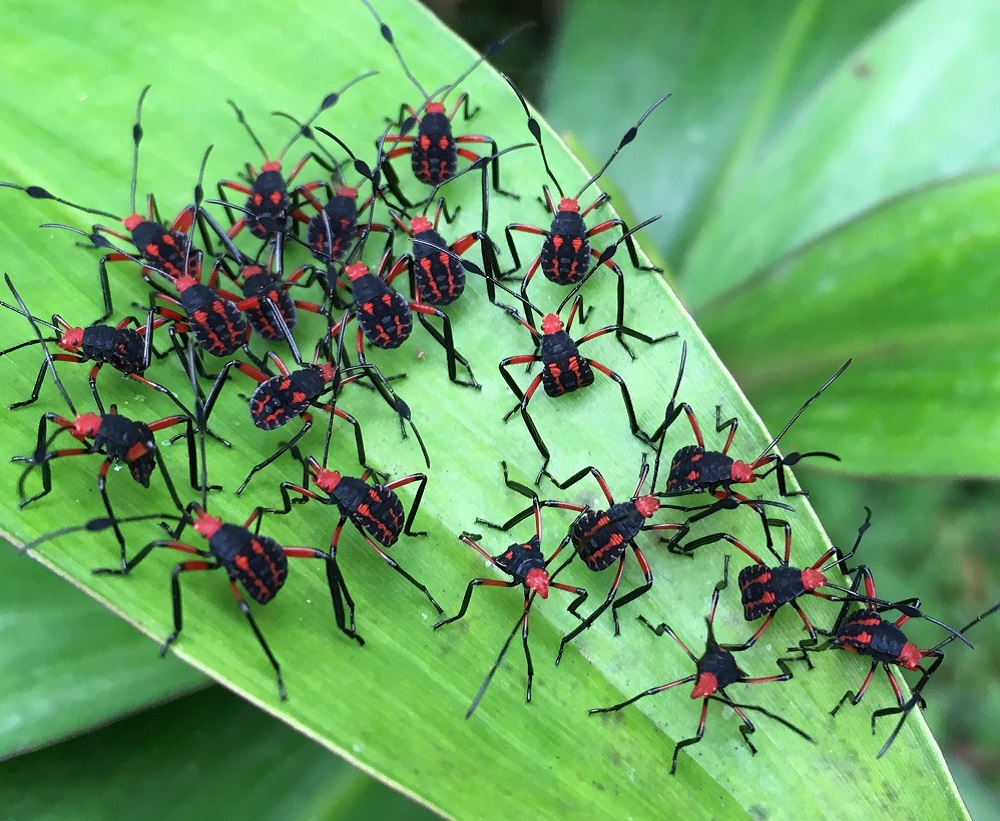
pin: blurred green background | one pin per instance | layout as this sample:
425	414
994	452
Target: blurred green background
826	172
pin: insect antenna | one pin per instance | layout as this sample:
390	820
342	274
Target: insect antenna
536	132
497	663
626	139
801	410
41	341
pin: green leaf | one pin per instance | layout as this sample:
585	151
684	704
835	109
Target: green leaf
738	73
886	287
270	771
862	138
72	664
396	707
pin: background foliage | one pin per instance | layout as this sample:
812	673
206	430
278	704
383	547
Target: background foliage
819	185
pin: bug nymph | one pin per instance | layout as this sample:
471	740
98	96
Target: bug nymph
715	670
435	149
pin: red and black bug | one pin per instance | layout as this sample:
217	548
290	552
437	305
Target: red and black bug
279	399
437	270
865	632
253	561
528	568
269	308
374	509
331	233
716	670
600	537
269	207
385	316
166	249
120	440
126	347
693	469
764	588
565	370
566	254
435	149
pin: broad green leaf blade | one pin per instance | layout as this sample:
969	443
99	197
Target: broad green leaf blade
270	771
862	138
67	663
396	707
886	289
738	72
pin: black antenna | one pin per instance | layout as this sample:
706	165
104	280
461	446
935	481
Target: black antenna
605	256
478	165
497	663
386	33
360	166
95	526
961	633
41	341
243	120
307	132
670	413
336	364
626	139
98	240
801	410
136	137
488	52
39	193
39	320
199	412
328	102
536	132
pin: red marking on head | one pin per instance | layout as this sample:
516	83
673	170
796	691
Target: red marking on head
647	505
538	580
910	657
356	270
418	224
71	340
131	222
812	578
184	281
434	108
567	204
328	370
347	191
206	526
742	473
551	324
252	269
706	685
325	479
271	165
86	424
